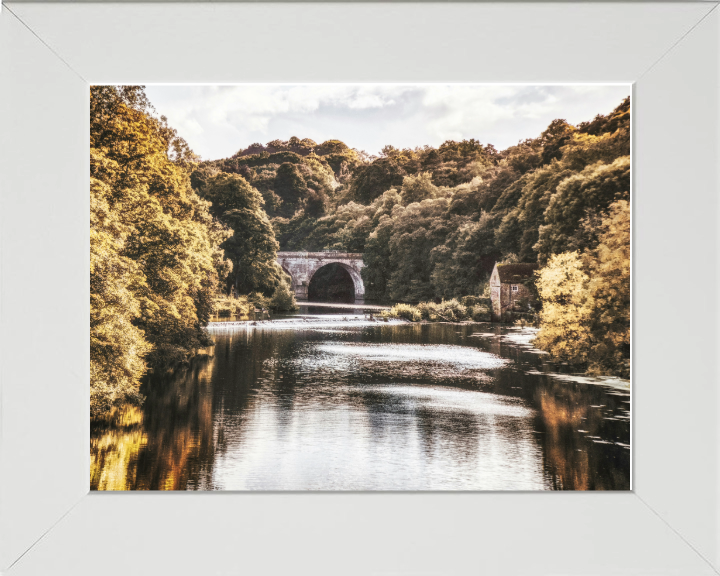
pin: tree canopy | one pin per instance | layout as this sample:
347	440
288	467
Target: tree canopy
432	222
154	255
476	205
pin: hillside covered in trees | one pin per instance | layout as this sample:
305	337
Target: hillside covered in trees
432	222
169	233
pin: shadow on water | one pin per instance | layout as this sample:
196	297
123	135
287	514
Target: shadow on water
329	401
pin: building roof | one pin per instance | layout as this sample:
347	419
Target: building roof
515	273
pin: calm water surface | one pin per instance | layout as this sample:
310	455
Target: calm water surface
329	401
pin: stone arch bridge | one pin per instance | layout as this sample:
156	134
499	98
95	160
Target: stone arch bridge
301	266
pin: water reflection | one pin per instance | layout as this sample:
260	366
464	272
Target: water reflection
328	402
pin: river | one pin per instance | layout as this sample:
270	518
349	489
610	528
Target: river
333	400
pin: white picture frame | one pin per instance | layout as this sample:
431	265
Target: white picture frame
51	524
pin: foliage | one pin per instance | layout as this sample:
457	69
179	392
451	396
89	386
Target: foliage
432	222
259	301
371	180
155	259
585	318
117	346
445	311
478	307
418	188
595	188
609	288
283	299
251	247
404	311
565	316
480	313
225	306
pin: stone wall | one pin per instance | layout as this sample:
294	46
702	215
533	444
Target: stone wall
302	266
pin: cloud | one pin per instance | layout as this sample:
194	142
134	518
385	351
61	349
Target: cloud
217	121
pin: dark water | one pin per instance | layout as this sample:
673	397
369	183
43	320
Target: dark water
337	402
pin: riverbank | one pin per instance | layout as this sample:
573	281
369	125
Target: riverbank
247	305
469	308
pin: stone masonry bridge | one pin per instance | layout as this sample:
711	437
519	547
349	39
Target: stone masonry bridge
302	266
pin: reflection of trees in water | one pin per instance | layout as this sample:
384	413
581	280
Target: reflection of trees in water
186	423
114	447
571	455
572	460
252	366
165	445
441	432
562	415
178	420
172	441
452	433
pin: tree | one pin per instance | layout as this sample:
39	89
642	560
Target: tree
596	187
462	265
291	187
154	246
371	180
253	249
377	269
553	138
229	192
609	289
117	346
418	188
251	245
585	317
416	230
519	228
331	147
565	318
283	299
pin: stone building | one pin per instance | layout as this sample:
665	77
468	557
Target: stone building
508	290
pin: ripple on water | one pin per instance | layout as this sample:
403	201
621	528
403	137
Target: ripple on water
305	322
454	400
621	386
458	356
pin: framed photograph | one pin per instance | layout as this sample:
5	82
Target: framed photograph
387	426
304	315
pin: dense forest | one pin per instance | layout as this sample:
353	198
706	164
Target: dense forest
169	232
432	222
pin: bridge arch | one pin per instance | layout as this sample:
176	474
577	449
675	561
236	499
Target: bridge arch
302	266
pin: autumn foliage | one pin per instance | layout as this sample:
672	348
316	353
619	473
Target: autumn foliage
585	317
154	255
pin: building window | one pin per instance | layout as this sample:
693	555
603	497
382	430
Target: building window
514	288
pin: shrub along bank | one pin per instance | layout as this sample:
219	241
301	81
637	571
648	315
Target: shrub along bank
467	308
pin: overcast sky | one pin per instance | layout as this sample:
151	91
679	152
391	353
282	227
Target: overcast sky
217	121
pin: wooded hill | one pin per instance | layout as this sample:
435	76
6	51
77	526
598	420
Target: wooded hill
433	221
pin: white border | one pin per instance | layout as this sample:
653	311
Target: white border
48	524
